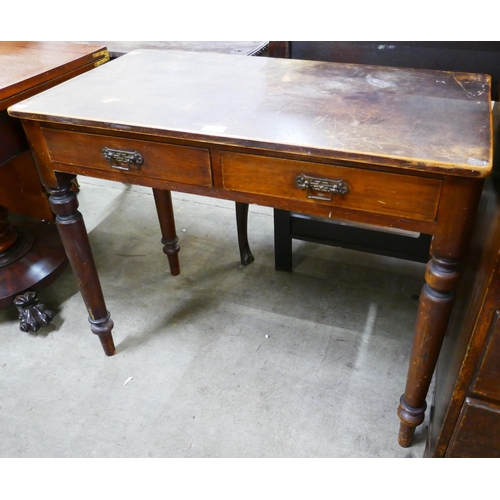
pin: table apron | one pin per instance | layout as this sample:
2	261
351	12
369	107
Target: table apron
304	207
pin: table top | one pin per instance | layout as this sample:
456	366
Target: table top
119	48
24	65
415	119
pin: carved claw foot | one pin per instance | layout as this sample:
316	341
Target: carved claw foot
32	314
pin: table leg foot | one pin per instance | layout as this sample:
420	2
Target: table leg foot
102	328
171	249
32	314
410	418
246	256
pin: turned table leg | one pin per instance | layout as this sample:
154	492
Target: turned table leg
456	215
434	311
71	226
165	210
246	255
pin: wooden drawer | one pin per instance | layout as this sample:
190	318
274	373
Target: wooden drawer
477	433
368	190
170	162
487	380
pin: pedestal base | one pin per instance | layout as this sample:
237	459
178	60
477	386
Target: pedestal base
37	267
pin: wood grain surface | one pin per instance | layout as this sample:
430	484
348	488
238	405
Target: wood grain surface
419	119
24	65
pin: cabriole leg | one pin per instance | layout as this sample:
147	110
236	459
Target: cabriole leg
246	255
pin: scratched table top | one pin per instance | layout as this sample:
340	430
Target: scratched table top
414	119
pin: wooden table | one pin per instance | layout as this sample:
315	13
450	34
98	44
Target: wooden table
31	253
385	146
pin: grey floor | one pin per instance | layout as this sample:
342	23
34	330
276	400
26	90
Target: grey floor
221	361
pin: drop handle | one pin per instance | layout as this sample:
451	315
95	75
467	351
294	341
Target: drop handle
122	160
316	187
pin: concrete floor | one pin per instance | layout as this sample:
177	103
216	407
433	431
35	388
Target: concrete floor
221	361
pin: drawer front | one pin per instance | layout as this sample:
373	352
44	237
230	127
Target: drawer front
477	433
371	191
156	160
487	379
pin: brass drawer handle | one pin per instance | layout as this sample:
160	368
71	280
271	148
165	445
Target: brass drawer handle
122	159
315	186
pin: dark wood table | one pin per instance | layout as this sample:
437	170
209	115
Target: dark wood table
384	146
31	253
